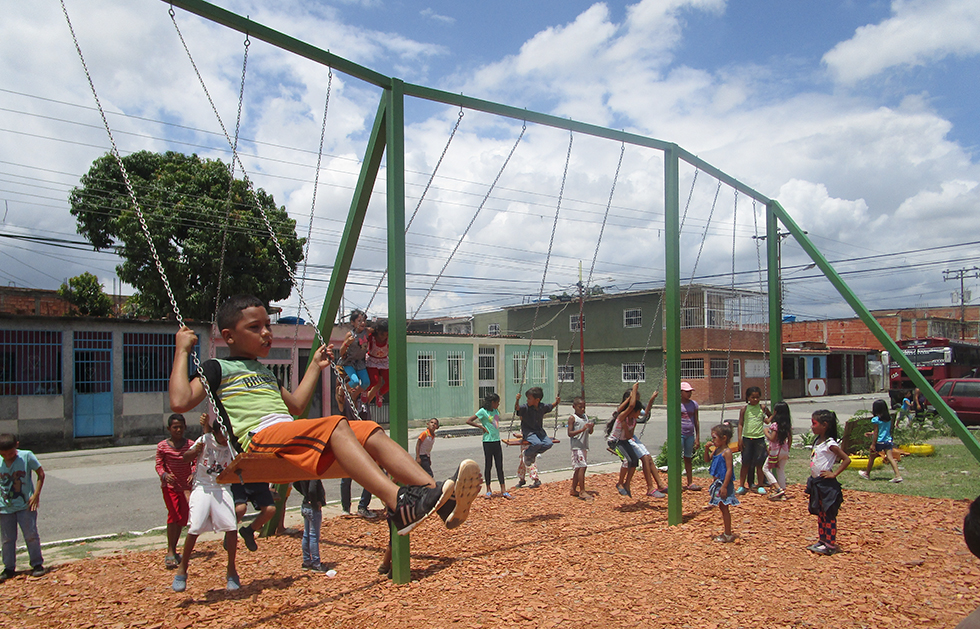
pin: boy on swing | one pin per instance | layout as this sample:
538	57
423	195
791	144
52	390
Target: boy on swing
532	428
260	411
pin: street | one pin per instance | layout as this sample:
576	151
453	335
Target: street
116	490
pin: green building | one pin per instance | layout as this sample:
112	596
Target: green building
723	340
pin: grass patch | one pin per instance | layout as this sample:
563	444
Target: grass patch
951	472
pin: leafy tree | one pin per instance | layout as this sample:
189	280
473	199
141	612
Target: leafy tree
85	293
186	202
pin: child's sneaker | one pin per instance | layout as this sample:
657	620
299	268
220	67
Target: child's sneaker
466	484
864	474
7	574
180	583
520	484
897	479
417	502
233	583
536	484
38	571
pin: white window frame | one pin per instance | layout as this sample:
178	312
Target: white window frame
692	369
518	360
539	368
633	318
455	360
427	369
633	372
723	362
573	323
566	373
493	329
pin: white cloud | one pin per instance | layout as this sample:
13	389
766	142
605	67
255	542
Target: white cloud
435	17
918	33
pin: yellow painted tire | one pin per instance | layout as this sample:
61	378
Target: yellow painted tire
919	449
861	463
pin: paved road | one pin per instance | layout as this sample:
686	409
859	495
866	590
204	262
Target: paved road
116	490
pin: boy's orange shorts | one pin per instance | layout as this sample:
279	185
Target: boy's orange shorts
304	443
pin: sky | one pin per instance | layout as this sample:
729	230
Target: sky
858	117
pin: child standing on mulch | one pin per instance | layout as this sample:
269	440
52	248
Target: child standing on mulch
487	419
779	433
314	497
722	489
690	432
882	421
822	486
423	445
752	442
175	480
211	505
579	429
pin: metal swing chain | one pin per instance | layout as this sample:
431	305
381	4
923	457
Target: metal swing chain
486	197
707	226
316	184
595	254
143	226
547	261
690	196
419	204
731	329
268	224
231	200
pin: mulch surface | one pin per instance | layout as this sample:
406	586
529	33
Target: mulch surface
546	559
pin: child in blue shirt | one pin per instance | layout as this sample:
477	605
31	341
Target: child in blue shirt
883	446
19	499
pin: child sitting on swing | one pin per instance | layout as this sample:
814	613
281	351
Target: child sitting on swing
260	410
532	428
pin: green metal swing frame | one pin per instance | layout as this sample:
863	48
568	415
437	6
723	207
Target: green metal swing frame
388	137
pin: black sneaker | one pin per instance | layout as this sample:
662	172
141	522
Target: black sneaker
7	574
249	536
415	503
318	568
520	484
467	483
307	565
536	484
367	514
38	571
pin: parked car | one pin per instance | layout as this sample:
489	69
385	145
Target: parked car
963	396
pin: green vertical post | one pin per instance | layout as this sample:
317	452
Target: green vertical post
397	316
355	220
968	439
341	268
775	292
672	309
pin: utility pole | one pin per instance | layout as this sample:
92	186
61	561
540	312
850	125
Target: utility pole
961	275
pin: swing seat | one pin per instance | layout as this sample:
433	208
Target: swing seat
262	467
518	440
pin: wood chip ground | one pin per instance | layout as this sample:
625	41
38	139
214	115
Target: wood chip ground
546	559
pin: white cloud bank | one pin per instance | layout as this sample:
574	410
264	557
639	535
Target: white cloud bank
920	32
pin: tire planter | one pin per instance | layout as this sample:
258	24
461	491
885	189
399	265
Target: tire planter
861	463
919	449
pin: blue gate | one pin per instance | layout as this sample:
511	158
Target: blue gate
93	384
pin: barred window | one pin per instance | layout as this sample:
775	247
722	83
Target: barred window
692	369
566	373
573	323
634	372
147	360
632	318
427	369
519	361
30	362
455	362
493	329
719	368
539	368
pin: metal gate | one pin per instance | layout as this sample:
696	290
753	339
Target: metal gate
486	371
93	384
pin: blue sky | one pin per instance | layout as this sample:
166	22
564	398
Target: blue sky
860	117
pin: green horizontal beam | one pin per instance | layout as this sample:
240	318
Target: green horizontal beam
896	354
280	40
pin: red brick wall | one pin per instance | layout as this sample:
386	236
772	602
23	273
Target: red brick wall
29	301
